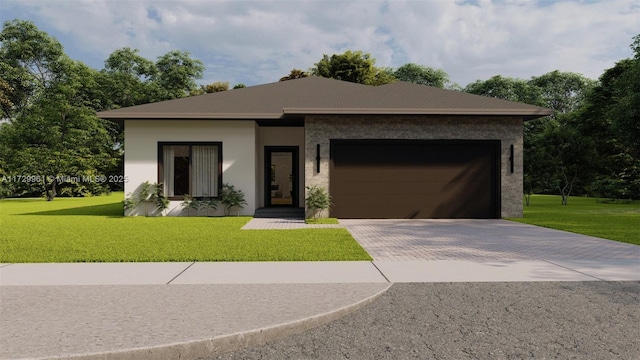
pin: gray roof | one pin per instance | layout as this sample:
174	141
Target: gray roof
317	95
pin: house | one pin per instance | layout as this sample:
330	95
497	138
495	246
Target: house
399	150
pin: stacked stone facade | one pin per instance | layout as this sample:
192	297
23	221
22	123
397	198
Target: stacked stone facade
320	129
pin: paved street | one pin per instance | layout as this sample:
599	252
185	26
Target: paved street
560	320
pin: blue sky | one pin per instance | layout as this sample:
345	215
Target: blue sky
255	42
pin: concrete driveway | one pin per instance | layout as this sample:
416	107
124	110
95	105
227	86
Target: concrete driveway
490	250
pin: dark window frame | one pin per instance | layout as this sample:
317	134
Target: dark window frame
191	144
295	171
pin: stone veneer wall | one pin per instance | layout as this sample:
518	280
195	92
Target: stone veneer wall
320	129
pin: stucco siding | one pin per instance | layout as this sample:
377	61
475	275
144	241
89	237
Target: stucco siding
320	129
238	150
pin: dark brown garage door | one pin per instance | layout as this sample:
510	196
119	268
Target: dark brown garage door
415	179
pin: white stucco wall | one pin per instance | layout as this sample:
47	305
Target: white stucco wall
280	136
238	153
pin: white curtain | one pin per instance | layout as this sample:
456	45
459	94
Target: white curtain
168	170
204	171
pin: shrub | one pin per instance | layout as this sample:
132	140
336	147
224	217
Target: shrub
191	203
317	200
148	194
230	198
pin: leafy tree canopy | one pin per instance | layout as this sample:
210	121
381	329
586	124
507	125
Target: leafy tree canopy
421	74
352	66
177	72
211	88
30	60
563	91
295	74
506	88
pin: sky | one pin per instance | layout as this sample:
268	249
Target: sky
257	42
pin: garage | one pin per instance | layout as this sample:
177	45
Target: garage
415	179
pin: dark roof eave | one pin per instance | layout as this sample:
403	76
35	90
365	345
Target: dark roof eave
528	114
533	113
186	116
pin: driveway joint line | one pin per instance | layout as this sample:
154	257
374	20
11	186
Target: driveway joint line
181	272
568	268
380	271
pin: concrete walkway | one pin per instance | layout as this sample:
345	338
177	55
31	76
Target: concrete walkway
283	224
191	310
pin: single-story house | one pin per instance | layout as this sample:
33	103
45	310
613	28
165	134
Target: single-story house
399	150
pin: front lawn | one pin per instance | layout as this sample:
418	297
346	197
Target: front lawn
94	230
587	216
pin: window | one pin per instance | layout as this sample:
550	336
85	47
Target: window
190	168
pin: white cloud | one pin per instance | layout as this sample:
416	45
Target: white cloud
258	42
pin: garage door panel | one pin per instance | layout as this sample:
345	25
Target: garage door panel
396	212
385	199
372	174
410	212
415	179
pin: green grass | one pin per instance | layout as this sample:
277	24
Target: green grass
94	230
587	216
330	221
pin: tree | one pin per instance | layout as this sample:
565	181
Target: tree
211	88
29	61
295	74
6	93
624	109
423	75
352	66
177	72
563	91
60	140
506	88
565	154
216	87
53	134
128	79
611	116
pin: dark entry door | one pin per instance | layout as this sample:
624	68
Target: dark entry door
281	176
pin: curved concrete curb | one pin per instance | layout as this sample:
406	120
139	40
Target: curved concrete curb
208	347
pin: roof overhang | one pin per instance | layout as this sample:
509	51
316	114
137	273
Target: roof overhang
186	116
301	112
528	114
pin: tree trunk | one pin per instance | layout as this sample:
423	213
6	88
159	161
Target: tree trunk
565	191
51	192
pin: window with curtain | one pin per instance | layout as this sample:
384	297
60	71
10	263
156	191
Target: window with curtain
190	168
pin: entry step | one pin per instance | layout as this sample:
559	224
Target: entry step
280	212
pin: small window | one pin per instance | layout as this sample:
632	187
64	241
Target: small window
190	168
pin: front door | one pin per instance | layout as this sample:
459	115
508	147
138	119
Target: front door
281	176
